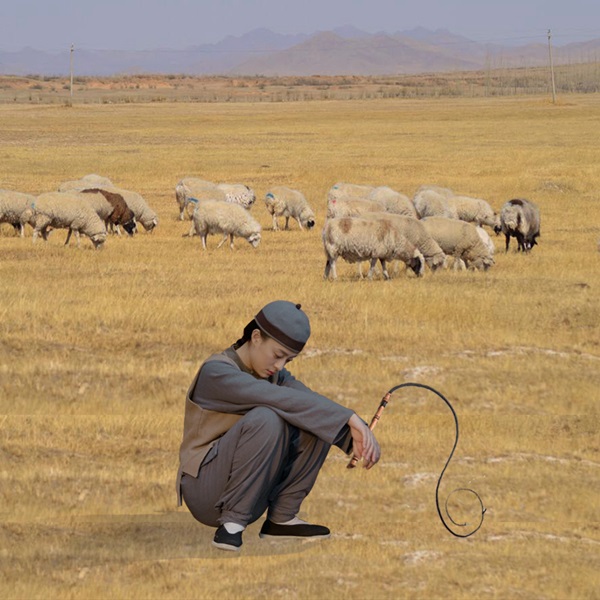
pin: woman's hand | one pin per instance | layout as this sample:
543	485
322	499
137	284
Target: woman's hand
364	444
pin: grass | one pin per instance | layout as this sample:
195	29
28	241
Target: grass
97	350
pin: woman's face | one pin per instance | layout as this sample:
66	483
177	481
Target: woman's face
267	356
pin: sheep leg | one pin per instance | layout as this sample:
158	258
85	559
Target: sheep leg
330	268
275	226
384	270
507	242
203	238
68	236
287	223
231	240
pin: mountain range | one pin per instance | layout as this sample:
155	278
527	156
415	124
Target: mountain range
342	51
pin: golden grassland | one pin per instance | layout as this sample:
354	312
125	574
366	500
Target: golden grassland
97	349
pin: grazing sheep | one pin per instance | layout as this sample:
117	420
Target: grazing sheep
416	233
190	190
87	181
474	210
442	191
520	218
286	202
16	208
356	239
238	193
120	213
393	201
141	211
61	210
349	190
352	207
430	202
486	239
212	216
460	240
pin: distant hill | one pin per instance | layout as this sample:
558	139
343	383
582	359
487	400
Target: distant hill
343	51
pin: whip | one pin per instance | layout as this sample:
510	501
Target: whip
375	419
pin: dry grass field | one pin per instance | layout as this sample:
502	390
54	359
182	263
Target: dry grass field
97	349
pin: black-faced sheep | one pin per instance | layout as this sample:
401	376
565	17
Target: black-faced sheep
520	218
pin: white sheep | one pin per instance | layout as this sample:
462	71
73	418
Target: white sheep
474	210
416	233
520	218
282	201
352	207
393	201
349	190
87	181
16	208
442	191
64	210
486	239
356	240
430	202
212	216
142	212
238	193
461	241
190	190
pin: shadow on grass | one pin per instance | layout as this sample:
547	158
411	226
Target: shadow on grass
92	541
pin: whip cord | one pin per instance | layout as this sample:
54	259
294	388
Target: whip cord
374	421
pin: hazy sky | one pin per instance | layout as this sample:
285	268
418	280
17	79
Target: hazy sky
149	24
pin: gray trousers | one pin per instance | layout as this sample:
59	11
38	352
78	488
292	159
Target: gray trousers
261	463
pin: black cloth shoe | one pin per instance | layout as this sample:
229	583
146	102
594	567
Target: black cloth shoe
302	530
227	541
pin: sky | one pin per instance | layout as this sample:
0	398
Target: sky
53	25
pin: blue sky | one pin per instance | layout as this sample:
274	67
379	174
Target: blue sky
149	24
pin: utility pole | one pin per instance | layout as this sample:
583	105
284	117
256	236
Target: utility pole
551	66
72	50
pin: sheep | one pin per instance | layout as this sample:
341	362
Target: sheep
349	190
442	191
16	208
212	216
352	207
486	239
416	233
520	218
356	239
460	240
286	202
87	181
393	201
120	213
430	202
474	210
141	211
238	193
66	210
190	190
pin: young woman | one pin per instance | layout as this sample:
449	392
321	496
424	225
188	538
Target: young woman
255	437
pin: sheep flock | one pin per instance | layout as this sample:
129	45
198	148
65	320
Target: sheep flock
436	228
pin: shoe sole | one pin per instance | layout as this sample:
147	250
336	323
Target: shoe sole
293	537
228	547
